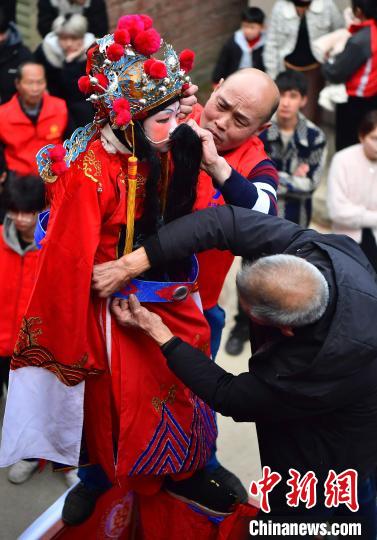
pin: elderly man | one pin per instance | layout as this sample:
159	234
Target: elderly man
30	120
312	383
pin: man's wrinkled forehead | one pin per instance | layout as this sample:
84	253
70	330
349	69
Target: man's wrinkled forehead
240	99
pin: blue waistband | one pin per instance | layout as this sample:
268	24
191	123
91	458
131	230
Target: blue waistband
146	291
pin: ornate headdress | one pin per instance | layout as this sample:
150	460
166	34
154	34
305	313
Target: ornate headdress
124	83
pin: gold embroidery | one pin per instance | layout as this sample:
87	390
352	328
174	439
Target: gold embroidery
170	398
47	176
91	166
28	352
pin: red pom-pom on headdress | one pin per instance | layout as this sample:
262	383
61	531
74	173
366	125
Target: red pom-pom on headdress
121	104
103	82
122	37
115	52
121	107
147	20
59	167
84	84
123	118
57	153
147	42
186	60
158	70
133	23
155	68
148	64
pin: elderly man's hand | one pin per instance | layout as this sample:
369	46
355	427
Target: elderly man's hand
113	275
212	163
109	277
187	101
131	313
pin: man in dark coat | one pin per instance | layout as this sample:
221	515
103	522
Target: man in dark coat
12	54
312	381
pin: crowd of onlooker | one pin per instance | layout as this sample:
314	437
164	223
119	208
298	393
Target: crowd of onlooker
315	54
321	60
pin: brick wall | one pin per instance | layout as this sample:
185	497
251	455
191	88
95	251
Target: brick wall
202	25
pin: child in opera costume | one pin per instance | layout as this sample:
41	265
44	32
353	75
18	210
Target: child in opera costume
105	394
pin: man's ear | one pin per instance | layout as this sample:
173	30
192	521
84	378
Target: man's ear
261	128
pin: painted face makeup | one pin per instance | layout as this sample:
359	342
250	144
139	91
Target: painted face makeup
157	128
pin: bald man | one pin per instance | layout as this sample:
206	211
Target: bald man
235	167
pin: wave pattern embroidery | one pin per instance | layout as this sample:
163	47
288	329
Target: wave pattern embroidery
171	450
28	353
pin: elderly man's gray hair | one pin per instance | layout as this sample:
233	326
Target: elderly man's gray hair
283	290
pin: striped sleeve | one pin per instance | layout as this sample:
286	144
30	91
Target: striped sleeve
257	191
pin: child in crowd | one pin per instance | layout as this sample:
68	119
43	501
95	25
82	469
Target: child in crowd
24	197
297	147
245	48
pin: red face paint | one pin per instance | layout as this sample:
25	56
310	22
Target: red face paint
158	127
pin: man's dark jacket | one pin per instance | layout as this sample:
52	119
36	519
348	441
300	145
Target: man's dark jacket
12	54
313	396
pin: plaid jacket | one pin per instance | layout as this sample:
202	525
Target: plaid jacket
307	145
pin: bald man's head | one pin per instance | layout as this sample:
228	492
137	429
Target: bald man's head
260	87
240	107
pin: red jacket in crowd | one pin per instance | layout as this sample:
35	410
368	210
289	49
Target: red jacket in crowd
22	138
17	276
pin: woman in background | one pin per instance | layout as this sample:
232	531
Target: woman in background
352	189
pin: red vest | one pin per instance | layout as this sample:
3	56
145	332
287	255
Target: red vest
22	139
215	264
363	82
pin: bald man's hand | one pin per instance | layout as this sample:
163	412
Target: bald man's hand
187	101
212	163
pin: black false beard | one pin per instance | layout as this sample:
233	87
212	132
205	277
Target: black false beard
186	150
